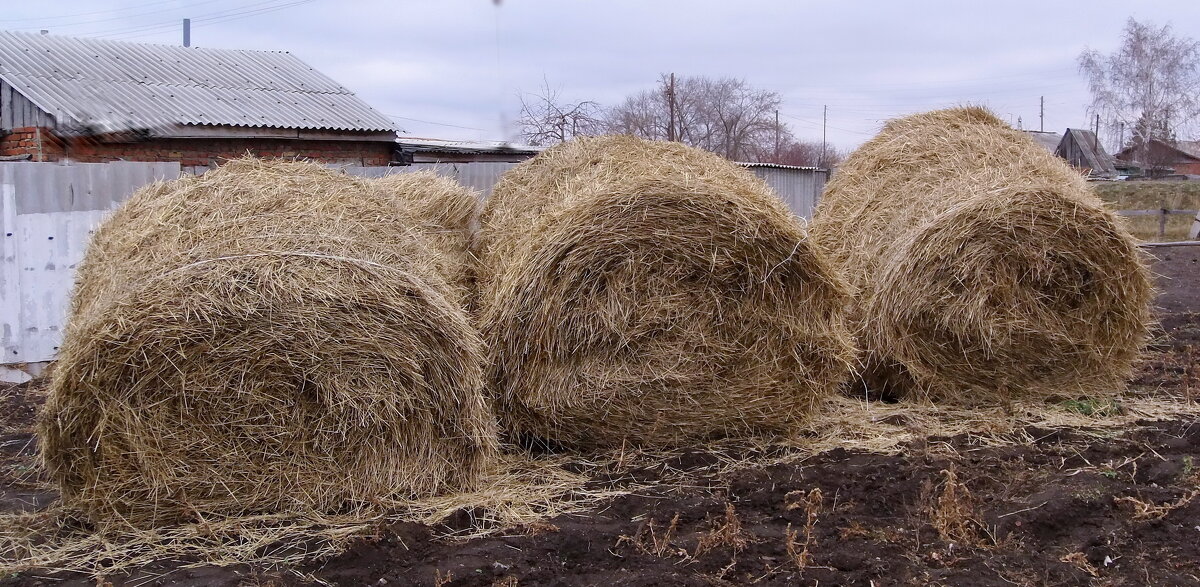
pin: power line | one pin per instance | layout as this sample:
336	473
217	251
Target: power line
436	123
217	18
124	18
209	18
78	14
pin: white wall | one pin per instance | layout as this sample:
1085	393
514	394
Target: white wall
49	211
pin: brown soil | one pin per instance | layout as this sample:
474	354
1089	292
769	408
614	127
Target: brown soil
1054	507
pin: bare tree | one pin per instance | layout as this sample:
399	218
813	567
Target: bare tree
808	154
726	116
546	120
1150	85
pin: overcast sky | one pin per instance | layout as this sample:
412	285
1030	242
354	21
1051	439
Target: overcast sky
454	68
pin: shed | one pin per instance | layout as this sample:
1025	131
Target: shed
1083	151
799	187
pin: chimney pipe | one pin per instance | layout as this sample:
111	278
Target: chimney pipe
187	32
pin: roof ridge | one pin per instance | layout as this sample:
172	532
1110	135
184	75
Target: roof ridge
138	43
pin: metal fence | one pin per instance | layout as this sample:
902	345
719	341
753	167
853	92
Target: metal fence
480	176
799	187
49	212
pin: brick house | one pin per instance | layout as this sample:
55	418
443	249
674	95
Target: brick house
93	100
1181	157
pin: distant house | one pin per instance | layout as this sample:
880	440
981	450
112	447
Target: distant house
1181	157
93	100
1048	140
1083	151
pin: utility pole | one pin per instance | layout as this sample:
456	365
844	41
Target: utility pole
671	109
1096	137
777	136
1042	114
187	32
824	121
1121	136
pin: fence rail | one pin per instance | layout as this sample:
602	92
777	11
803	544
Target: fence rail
1163	214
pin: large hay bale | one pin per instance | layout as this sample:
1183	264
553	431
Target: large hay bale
984	266
651	293
268	337
446	214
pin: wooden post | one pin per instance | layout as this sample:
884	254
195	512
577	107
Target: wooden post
1195	232
1162	223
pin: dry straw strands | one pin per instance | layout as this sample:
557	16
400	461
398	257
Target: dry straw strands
651	293
446	214
269	337
983	264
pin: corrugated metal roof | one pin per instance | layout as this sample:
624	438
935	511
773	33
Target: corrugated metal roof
1048	140
780	166
446	145
112	86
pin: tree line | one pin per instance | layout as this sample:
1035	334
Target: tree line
726	116
1147	89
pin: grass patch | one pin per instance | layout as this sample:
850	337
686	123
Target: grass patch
1153	195
1093	407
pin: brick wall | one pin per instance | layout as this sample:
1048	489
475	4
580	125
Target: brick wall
46	146
21	141
1190	167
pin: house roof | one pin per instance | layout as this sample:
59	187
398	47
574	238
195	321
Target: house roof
1190	148
113	86
1048	140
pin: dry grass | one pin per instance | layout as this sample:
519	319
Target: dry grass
654	542
725	532
1149	511
953	512
519	491
984	267
440	579
446	215
268	338
1080	561
797	550
1153	195
647	293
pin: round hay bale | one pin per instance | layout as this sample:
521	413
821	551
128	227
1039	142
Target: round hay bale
446	214
984	266
650	293
268	337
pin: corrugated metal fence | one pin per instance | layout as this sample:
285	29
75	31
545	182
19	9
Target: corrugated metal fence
49	212
799	187
479	176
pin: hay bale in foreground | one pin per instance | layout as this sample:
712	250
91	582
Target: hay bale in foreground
651	293
268	337
984	266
